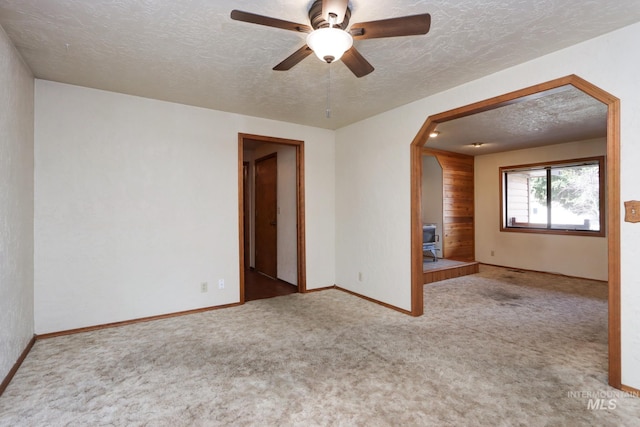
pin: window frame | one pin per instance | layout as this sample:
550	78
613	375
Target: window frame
600	160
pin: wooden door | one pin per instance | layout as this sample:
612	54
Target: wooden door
266	207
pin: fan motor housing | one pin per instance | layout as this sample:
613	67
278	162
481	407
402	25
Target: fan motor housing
318	21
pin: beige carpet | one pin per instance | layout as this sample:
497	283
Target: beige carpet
500	348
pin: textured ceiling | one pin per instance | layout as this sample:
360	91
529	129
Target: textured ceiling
552	118
191	52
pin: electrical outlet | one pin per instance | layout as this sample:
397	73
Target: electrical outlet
221	284
493	253
359	276
204	287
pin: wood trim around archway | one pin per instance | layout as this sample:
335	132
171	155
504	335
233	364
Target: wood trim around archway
300	215
613	197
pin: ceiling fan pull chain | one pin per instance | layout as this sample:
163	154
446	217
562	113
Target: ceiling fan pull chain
332	21
328	110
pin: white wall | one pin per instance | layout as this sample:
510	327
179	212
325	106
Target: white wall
580	256
136	204
287	239
16	205
372	208
432	196
373	175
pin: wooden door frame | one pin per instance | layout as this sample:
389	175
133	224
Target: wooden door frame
300	215
613	196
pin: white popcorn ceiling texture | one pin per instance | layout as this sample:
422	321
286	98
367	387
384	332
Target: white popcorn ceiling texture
191	52
569	115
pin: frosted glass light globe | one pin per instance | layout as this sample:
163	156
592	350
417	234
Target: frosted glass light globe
329	43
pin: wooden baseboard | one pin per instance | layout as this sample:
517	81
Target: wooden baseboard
320	289
132	321
375	301
16	365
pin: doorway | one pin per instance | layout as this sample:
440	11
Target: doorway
448	210
613	199
272	238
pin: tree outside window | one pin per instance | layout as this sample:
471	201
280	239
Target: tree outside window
560	197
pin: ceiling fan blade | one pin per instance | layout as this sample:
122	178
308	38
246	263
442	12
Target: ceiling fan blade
337	7
294	58
412	25
356	63
252	18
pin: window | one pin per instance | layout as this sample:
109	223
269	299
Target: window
556	197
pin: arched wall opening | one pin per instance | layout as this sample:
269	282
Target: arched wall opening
612	207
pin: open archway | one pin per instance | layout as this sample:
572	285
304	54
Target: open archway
612	207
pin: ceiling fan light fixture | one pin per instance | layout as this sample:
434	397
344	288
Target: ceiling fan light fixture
329	43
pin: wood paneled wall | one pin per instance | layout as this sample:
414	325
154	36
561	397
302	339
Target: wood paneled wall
458	221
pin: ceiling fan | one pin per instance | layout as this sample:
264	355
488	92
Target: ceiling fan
329	38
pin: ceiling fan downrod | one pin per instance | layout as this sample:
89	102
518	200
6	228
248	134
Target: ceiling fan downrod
330	58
